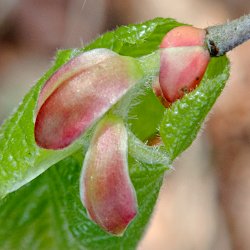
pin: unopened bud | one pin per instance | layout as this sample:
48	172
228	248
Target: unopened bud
184	59
105	187
79	93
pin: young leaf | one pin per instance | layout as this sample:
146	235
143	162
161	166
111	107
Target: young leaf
21	160
183	120
49	214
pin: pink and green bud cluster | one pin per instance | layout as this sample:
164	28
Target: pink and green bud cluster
183	62
71	101
105	186
79	93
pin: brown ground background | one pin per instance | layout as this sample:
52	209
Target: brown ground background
205	203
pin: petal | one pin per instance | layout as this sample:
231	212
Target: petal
105	187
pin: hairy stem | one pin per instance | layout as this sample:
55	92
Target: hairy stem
223	38
148	154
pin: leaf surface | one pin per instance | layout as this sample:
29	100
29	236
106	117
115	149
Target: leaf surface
183	120
47	213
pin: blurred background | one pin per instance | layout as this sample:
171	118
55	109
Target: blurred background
205	203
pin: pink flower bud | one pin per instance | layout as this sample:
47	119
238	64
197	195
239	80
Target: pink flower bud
105	187
79	93
184	36
184	59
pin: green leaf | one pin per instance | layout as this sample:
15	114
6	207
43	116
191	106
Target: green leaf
47	213
33	217
183	120
146	116
20	159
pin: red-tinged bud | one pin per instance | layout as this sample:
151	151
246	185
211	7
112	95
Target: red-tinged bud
79	93
184	59
105	187
184	36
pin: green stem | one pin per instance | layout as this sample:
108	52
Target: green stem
223	38
148	154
